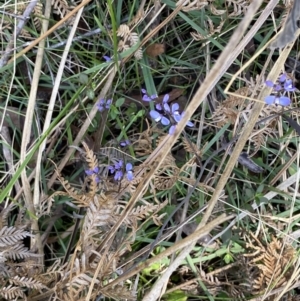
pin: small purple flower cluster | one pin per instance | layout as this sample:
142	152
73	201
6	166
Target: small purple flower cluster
124	143
280	88
104	104
107	58
90	172
117	169
169	115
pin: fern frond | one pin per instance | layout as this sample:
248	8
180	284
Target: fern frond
191	147
141	212
90	157
138	54
209	279
189	5
119	292
167	175
234	101
99	214
38	14
26	282
4	214
123	30
10	236
11	292
61	7
17	252
80	199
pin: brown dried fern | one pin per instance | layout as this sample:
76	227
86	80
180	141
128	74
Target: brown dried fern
26	282
16	262
166	176
11	292
129	38
142	212
191	148
100	213
119	292
92	164
60	7
4	215
227	111
189	5
81	200
274	261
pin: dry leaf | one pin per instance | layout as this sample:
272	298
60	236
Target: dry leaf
155	49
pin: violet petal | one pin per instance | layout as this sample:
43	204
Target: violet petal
270	99
165	120
284	101
155	115
166	98
172	129
269	83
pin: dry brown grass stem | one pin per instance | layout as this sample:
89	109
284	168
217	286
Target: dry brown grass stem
50	107
52	29
36	240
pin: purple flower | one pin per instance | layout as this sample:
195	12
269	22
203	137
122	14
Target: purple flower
174	108
117	169
118	175
108	103
107	58
104	104
165	100
282	78
124	143
159	117
280	88
171	111
90	172
146	97
288	86
269	83
94	171
111	169
129	172
119	165
177	116
278	100
284	84
172	129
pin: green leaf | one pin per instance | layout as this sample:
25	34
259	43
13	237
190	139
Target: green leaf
228	258
176	296
113	113
83	78
120	102
153	267
90	93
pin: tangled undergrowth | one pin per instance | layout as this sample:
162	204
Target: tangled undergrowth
150	150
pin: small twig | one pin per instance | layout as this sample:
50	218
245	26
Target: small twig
19	27
12	15
53	28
